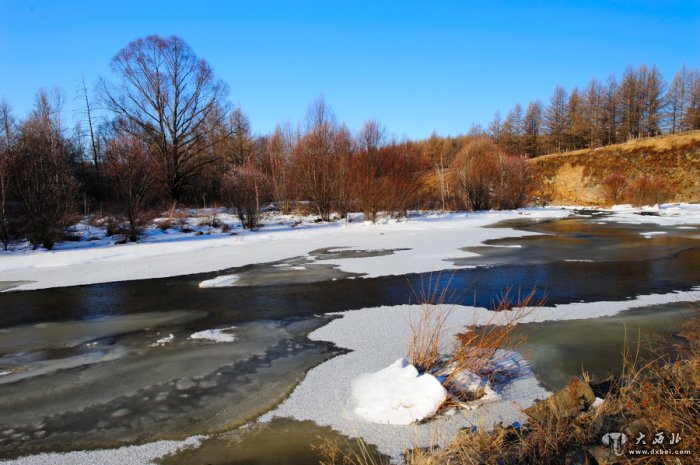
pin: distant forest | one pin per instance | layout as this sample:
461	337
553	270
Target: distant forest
162	134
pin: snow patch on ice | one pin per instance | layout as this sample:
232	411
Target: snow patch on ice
216	335
397	395
163	340
649	234
5	372
145	454
220	281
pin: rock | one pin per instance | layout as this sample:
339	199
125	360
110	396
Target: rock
603	388
575	397
603	455
633	430
577	456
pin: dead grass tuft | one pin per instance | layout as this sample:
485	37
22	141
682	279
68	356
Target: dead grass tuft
479	349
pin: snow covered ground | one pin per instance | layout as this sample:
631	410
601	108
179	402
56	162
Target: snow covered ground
431	238
196	246
147	454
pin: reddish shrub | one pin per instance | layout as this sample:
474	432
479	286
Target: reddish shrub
614	187
647	190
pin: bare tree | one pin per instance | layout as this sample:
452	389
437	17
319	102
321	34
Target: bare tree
532	123
610	111
278	166
342	171
240	145
677	100
593	114
436	152
475	169
368	188
487	178
42	173
513	130
314	157
652	103
692	117
578	128
172	100
131	167
94	141
242	186
401	177
555	118
6	143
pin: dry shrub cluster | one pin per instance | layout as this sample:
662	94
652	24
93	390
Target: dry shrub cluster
644	190
648	190
649	397
478	349
486	178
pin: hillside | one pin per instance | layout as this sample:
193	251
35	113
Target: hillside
576	177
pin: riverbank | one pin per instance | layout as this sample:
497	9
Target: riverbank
423	242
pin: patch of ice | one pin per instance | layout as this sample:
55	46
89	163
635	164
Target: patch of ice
220	281
145	454
5	372
397	395
163	340
216	335
648	234
378	336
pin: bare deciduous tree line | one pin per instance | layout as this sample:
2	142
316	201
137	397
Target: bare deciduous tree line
642	104
163	133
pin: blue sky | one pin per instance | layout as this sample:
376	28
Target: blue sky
417	67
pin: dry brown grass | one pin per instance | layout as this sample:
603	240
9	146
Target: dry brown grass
352	452
478	349
662	394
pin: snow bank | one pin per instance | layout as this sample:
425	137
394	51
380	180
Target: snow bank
397	395
670	214
216	335
431	241
220	281
146	454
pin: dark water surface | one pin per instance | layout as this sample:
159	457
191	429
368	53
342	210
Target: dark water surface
86	370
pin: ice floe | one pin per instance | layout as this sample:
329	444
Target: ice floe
215	335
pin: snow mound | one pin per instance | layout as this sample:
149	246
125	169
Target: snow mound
397	395
220	281
216	335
